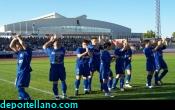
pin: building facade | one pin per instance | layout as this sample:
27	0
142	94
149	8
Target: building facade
68	27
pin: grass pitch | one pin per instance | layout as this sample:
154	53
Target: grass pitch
41	88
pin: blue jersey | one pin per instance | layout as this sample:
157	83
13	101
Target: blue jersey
95	51
105	57
159	61
84	59
23	67
57	69
56	56
149	54
128	54
150	63
119	67
159	52
94	62
120	54
127	63
23	60
82	63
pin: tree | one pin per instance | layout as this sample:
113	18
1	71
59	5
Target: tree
149	34
173	34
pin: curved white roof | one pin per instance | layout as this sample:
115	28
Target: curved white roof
49	16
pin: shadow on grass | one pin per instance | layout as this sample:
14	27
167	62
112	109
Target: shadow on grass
138	92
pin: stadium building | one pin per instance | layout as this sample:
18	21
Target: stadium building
68	27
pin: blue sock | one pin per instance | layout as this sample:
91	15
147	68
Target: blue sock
110	83
64	87
105	87
55	89
156	77
149	78
89	83
163	74
22	94
77	84
86	84
122	81
115	82
128	78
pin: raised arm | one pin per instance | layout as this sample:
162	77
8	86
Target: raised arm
159	44
88	52
21	42
48	42
83	54
164	41
101	40
12	44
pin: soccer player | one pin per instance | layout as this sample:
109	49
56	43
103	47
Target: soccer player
127	64
94	62
160	62
105	71
56	55
24	56
82	67
119	65
150	62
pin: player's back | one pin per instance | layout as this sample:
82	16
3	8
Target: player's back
56	56
148	51
120	55
105	57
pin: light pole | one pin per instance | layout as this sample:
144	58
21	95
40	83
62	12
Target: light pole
158	21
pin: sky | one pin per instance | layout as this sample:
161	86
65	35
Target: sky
139	15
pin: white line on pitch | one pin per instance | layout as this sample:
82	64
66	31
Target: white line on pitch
150	93
10	82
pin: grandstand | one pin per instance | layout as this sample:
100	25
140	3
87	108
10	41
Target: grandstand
69	27
73	30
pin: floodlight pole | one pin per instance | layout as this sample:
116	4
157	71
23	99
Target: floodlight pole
158	21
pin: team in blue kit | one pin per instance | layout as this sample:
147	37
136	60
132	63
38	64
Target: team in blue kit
82	67
160	62
56	54
94	55
24	56
155	61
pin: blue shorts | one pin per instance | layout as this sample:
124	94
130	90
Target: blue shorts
150	66
23	79
119	68
82	69
94	67
105	72
57	72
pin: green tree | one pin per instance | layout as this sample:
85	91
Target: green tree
149	34
173	34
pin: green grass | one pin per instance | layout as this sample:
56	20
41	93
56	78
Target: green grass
39	80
